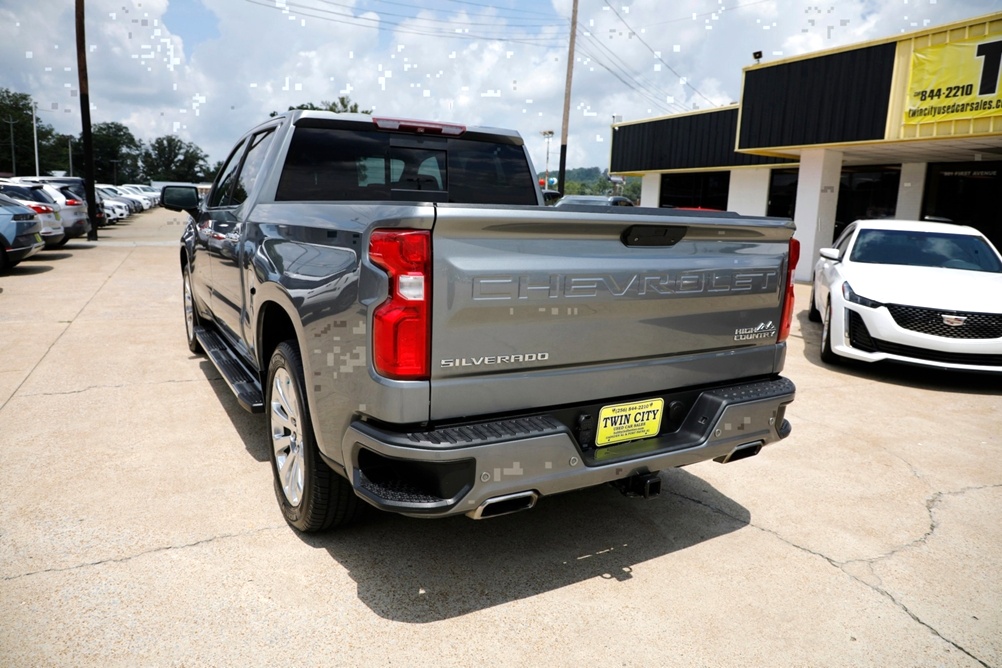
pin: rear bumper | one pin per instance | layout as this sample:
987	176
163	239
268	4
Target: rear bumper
53	238
77	228
24	247
458	469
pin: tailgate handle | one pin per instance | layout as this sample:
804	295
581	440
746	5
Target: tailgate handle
653	235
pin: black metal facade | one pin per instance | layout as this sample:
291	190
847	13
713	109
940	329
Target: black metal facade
683	142
838	98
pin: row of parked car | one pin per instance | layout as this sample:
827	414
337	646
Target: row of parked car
39	212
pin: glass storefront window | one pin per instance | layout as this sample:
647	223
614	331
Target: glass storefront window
697	190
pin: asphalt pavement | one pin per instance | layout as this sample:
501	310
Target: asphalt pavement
138	526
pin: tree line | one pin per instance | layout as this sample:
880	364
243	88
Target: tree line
595	181
119	157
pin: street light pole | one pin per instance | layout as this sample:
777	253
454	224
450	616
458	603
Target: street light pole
114	168
34	131
547	135
69	148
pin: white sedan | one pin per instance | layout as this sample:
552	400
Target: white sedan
915	292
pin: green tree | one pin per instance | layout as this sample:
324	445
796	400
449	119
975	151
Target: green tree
16	129
210	173
632	188
343	105
117	154
170	158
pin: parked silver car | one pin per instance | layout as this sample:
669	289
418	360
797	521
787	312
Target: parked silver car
48	213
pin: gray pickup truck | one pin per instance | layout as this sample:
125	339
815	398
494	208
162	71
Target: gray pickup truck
425	336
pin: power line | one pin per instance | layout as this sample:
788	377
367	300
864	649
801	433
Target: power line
403	17
657	95
490	6
656	54
652	98
718	11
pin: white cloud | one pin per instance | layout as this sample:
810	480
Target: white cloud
269	54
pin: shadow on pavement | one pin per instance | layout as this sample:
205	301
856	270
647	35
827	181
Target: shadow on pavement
252	428
419	571
926	378
27	268
47	255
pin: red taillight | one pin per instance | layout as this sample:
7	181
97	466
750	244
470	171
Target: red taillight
787	322
401	327
41	208
419	127
73	202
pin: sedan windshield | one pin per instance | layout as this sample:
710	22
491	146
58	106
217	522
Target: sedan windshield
925	249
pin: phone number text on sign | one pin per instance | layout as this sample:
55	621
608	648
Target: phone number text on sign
628	422
955	81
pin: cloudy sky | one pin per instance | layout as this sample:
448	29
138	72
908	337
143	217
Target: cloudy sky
207	70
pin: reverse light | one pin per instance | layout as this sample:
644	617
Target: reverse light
401	325
787	321
851	296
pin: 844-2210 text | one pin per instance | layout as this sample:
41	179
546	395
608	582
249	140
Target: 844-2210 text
945	93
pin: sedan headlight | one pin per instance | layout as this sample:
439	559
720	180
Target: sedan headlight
851	296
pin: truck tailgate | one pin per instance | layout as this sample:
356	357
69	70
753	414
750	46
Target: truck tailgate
544	307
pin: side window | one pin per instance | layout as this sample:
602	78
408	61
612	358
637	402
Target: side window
256	152
843	243
224	181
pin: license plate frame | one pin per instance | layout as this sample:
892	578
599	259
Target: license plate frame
630	421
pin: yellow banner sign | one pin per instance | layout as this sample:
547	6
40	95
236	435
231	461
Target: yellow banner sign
958	80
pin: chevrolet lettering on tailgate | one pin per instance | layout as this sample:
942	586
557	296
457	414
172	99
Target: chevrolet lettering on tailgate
711	281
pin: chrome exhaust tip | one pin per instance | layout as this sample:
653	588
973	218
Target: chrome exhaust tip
743	451
504	505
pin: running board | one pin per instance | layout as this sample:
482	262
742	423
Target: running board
244	384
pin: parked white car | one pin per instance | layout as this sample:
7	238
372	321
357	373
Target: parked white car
109	190
915	292
115	211
149	191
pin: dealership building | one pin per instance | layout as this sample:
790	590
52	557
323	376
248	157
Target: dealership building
907	127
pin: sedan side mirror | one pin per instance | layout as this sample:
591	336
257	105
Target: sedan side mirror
829	254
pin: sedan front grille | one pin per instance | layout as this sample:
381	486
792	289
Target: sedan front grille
859	335
933	322
937	355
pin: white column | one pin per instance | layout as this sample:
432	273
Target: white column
748	193
817	199
910	191
650	191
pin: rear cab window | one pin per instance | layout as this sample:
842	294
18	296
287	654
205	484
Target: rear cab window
332	164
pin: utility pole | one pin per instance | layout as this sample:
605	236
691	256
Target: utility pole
567	98
13	162
114	167
69	148
85	121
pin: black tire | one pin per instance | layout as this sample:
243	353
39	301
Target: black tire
190	312
813	314
62	242
312	496
828	356
5	264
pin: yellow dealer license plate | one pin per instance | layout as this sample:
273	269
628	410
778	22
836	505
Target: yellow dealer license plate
628	422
